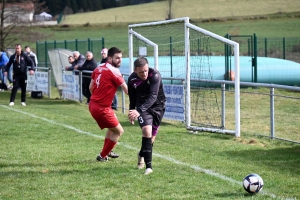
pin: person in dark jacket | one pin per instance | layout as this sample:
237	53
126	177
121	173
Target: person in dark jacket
79	59
20	62
89	65
147	105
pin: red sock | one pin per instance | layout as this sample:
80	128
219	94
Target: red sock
105	142
107	148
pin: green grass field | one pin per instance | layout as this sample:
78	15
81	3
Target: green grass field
48	148
48	151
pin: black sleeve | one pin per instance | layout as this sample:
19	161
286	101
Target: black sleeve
10	61
80	61
155	81
30	63
131	94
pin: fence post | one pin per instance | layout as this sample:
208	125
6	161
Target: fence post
37	49
255	57
272	119
46	56
76	44
49	82
103	45
89	44
223	88
283	48
171	58
266	48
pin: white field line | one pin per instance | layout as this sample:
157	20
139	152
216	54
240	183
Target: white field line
197	168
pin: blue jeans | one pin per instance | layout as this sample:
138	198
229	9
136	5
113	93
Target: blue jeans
9	75
114	104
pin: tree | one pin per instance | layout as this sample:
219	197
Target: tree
169	12
15	22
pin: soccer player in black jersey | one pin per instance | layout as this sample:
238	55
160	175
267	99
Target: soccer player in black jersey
147	105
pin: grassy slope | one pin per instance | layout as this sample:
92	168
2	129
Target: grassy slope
195	9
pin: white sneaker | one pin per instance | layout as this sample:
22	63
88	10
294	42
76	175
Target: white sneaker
141	162
11	104
148	171
23	103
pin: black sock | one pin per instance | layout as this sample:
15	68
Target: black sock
147	151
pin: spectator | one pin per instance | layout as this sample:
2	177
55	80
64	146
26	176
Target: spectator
71	60
3	61
20	62
79	59
103	90
31	55
114	104
104	55
89	65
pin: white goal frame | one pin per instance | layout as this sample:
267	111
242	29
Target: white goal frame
187	27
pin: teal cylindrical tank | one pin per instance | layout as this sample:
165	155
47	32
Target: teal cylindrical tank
269	70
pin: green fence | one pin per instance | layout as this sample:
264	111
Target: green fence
93	45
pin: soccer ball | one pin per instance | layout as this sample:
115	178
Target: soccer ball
253	183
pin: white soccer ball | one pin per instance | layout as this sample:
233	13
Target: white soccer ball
253	183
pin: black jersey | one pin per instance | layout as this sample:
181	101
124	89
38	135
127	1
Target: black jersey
145	94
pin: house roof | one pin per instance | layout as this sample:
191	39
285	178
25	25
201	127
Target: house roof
26	6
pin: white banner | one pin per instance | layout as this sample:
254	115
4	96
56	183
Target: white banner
70	89
175	102
38	82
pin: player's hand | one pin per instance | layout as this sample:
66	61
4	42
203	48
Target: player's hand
31	72
133	115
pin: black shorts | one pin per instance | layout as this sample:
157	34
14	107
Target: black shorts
151	117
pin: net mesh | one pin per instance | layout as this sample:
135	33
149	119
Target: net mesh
170	39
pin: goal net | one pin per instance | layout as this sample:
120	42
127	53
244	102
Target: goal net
183	53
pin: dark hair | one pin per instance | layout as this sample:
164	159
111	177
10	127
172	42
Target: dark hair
17	45
112	51
26	47
70	57
140	62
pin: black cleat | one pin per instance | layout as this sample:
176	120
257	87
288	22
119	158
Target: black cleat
100	159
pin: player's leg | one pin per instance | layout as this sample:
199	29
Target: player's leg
157	118
23	85
111	154
14	90
145	121
114	136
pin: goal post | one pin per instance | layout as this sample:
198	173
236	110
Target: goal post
185	52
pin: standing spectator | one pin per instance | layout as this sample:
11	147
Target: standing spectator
147	105
3	62
71	60
106	79
31	55
104	55
20	62
79	59
89	65
114	104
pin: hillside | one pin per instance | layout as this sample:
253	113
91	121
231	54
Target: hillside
195	9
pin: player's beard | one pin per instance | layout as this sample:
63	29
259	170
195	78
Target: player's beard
117	65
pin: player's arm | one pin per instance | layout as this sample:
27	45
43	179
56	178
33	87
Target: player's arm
132	103
124	88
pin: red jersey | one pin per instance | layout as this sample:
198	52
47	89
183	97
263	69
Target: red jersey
107	79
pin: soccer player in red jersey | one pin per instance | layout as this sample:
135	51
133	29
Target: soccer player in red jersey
106	79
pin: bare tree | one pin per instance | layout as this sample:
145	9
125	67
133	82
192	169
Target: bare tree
16	20
169	12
